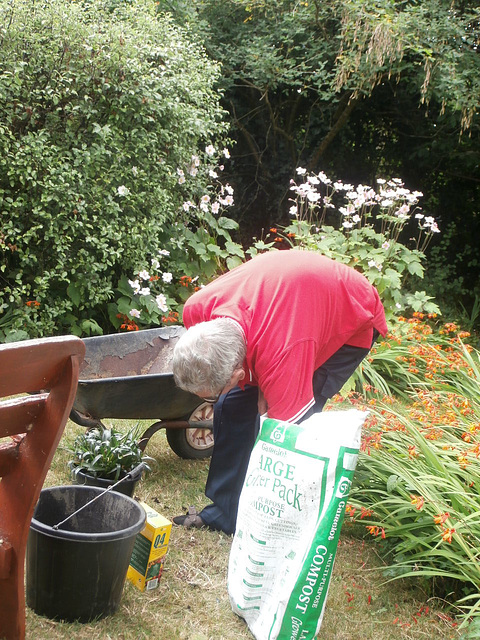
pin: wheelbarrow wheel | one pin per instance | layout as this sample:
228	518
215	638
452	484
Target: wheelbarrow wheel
193	443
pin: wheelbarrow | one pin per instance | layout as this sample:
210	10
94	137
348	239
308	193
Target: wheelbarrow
128	376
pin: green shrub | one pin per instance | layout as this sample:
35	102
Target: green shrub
98	108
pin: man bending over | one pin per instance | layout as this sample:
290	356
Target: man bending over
278	335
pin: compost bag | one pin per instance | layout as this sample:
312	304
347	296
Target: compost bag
289	518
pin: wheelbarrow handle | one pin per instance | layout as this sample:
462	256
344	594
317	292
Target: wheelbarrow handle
172	424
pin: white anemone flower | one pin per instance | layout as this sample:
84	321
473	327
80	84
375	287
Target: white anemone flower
313	196
324	178
161	302
135	285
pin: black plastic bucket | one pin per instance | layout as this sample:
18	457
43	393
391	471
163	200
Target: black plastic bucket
77	572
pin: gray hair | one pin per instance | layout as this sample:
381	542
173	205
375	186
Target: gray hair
207	354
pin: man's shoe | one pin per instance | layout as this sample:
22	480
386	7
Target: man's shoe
189	520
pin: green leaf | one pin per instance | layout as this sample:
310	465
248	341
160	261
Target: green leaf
392	483
233	261
227	223
16	336
73	293
416	269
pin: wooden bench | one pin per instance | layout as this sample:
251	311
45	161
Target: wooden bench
30	429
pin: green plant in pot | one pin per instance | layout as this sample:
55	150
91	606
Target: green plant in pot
102	456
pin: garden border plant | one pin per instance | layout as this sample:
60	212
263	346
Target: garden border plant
415	489
364	228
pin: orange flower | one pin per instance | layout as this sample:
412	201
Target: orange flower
350	509
418	501
476	450
365	513
128	325
33	303
463	460
273	230
441	518
172	317
376	531
185	281
447	535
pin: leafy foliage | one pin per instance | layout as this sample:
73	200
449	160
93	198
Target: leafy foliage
106	453
357	89
99	107
366	231
200	246
415	488
296	71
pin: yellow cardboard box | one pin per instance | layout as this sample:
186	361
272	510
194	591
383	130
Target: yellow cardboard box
148	556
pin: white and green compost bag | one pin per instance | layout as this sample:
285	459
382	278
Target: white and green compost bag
289	517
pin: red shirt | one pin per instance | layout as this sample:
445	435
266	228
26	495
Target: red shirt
296	309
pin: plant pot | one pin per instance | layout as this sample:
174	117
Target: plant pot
127	487
77	572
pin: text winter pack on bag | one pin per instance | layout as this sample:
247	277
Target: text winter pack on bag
289	518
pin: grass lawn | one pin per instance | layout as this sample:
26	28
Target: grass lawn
191	602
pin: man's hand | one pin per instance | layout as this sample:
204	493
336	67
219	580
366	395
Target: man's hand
262	403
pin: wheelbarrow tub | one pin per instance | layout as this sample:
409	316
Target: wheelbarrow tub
128	376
